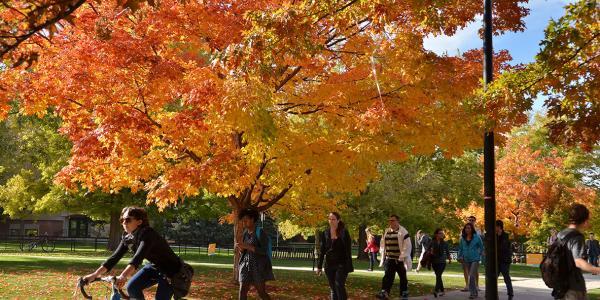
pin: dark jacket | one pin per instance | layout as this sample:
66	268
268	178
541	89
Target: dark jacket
504	249
146	243
342	253
440	252
593	247
424	242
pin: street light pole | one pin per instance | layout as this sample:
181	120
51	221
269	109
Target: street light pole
489	186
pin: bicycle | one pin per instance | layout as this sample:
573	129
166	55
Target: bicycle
44	242
82	283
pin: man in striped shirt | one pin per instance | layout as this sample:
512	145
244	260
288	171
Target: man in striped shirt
396	246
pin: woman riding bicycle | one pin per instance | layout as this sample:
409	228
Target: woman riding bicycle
147	244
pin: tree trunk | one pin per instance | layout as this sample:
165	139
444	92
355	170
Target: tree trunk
362	243
238	235
115	231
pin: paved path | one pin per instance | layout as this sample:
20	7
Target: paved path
524	288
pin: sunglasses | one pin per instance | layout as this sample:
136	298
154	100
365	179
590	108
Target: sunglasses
126	220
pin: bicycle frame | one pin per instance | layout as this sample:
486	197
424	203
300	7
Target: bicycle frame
43	242
81	283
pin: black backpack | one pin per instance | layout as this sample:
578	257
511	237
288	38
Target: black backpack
182	280
558	264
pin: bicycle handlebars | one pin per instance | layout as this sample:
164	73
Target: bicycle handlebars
81	283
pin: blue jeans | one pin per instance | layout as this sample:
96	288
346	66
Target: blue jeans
472	271
372	260
593	260
145	278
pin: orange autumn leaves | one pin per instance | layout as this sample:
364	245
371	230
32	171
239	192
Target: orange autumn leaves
256	101
530	183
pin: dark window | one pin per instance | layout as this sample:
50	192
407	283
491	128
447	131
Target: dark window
78	226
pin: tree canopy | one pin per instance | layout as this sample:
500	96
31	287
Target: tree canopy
566	72
256	101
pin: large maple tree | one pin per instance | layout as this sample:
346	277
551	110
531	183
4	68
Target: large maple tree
289	104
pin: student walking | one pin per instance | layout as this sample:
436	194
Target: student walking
255	266
423	242
336	251
372	249
593	250
504	257
572	237
470	249
473	221
440	253
396	244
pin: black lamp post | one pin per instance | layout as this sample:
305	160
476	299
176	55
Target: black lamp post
489	185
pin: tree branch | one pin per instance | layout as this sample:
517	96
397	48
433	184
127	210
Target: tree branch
19	39
287	78
273	200
564	63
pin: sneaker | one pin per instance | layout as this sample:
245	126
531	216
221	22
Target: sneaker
473	297
435	294
382	295
370	270
441	294
465	289
404	295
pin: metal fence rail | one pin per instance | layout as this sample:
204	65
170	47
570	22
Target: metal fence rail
75	244
293	251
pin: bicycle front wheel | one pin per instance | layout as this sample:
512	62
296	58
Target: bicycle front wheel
48	246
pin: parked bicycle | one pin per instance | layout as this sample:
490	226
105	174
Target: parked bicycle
82	283
43	242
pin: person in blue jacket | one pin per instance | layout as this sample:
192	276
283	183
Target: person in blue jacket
470	249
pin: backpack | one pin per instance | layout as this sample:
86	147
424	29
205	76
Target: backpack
258	232
182	280
558	264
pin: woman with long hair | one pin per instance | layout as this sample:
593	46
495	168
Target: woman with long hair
336	251
470	249
372	249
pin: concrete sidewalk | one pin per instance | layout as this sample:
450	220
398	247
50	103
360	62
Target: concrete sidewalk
526	289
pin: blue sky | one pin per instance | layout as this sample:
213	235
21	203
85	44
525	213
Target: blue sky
523	46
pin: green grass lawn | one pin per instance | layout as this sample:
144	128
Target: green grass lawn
226	257
594	294
37	275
